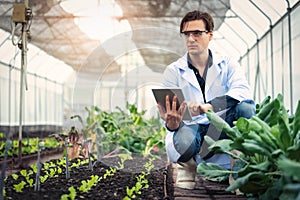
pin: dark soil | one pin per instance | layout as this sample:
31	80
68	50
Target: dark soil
110	188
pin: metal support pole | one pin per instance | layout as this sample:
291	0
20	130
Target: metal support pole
23	65
258	65
271	38
290	56
23	47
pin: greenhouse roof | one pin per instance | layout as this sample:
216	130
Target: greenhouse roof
153	31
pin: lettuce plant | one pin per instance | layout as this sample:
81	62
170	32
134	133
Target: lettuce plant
71	195
19	187
141	183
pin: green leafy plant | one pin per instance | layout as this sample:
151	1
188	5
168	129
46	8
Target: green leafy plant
26	174
269	149
30	182
109	172
33	167
84	186
29	146
15	176
126	131
87	185
149	165
52	172
43	178
71	195
23	172
59	170
141	183
19	187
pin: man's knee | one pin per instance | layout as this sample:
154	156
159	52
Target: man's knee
186	142
245	109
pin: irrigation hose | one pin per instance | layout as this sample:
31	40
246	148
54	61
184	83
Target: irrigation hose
165	173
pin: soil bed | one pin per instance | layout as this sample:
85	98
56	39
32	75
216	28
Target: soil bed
112	187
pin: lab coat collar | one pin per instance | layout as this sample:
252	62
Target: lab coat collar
213	71
183	61
187	73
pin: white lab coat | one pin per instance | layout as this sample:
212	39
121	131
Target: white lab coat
224	77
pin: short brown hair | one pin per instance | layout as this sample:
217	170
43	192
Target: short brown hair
198	15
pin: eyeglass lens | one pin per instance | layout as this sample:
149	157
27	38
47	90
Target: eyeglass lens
195	33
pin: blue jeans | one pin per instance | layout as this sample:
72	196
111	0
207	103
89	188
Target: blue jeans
189	138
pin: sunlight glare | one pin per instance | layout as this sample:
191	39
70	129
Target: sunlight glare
97	18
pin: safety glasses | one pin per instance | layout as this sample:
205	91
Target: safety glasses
194	33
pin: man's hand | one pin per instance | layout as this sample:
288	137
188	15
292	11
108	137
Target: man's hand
198	108
171	116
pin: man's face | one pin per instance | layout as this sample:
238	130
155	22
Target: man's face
196	37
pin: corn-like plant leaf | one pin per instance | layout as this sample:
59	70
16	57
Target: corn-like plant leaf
243	125
293	152
254	182
209	140
266	109
253	148
272	117
289	167
263	103
220	146
262	167
213	171
221	125
254	126
285	136
296	123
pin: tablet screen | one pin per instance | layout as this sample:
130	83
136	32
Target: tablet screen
160	97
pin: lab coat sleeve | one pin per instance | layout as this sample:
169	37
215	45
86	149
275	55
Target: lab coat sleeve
171	75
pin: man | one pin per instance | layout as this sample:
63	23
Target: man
209	82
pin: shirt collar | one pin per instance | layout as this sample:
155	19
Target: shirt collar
208	64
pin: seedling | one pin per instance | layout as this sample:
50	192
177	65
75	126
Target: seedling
19	187
23	172
34	168
87	185
109	172
71	195
43	178
142	182
149	165
15	176
52	172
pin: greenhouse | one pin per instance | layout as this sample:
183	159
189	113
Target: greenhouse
79	118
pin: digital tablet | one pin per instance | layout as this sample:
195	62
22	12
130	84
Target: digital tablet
160	97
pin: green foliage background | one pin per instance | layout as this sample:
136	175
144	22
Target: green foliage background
269	162
128	131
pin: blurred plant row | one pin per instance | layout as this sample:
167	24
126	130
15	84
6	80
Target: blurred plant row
118	132
29	145
101	133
